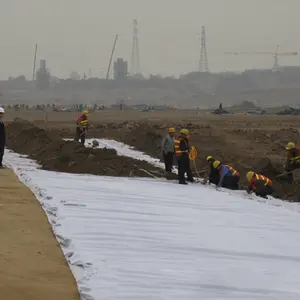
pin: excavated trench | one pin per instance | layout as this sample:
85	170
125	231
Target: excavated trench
55	154
146	137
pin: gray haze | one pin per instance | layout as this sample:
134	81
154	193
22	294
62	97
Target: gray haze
78	35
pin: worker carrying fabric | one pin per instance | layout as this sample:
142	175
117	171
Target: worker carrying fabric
167	147
213	174
181	145
229	177
2	136
259	184
82	127
293	160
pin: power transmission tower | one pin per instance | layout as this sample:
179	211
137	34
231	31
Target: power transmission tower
135	55
203	62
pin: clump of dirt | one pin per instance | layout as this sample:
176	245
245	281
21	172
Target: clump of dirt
54	154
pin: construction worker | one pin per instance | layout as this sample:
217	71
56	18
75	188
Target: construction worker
2	136
259	184
293	161
181	145
167	147
213	175
81	127
229	177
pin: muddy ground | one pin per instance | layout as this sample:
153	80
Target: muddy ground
245	149
54	154
246	142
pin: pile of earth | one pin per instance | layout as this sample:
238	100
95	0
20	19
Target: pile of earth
55	154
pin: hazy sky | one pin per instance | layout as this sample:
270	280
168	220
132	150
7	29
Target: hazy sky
78	34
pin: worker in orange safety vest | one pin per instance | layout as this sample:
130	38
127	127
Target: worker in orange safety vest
293	161
181	146
259	184
81	127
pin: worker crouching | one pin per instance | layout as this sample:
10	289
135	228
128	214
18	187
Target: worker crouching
293	161
181	145
213	175
167	147
259	184
82	127
229	177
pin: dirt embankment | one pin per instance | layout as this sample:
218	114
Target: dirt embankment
32	263
247	149
54	154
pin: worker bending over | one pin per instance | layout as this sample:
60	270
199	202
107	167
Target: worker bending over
293	160
167	147
213	174
259	184
81	127
2	136
229	177
181	145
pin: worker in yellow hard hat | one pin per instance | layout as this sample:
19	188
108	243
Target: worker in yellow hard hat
293	161
229	177
212	176
167	148
182	149
259	184
81	127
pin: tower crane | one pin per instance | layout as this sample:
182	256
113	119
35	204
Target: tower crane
275	55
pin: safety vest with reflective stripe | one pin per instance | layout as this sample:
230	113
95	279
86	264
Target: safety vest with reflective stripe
268	181
178	151
233	171
296	158
82	121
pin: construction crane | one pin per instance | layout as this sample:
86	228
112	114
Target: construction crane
275	55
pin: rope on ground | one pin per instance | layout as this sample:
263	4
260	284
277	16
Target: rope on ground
147	172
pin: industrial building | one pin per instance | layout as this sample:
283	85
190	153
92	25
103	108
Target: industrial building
42	76
120	69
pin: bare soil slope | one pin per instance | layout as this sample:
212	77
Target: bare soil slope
32	264
55	154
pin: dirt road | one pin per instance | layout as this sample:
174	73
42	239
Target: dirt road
32	264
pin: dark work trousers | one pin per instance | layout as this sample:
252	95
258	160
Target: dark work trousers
184	167
214	176
290	177
168	159
262	190
231	182
2	145
80	135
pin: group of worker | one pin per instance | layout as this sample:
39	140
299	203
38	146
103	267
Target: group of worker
180	148
224	175
220	174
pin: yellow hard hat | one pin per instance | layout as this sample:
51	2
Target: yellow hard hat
290	146
249	175
184	131
172	130
85	112
208	158
216	163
